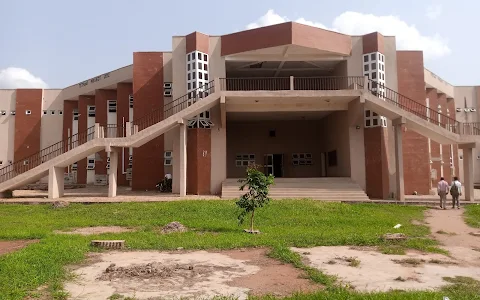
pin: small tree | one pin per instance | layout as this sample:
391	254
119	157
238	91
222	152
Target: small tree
257	195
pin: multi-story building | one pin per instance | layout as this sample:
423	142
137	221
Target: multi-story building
301	101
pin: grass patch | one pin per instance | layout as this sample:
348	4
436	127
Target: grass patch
298	223
472	215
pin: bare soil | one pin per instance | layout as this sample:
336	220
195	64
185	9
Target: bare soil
174	227
160	275
11	246
97	230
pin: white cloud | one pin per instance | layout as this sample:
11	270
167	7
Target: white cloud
353	23
13	78
434	11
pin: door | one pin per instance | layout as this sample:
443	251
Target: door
278	165
268	164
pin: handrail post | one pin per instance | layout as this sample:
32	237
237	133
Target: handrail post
96	133
365	82
292	83
216	84
128	129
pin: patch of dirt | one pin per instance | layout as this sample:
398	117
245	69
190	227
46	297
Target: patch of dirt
96	230
381	272
11	246
174	227
274	277
458	241
174	275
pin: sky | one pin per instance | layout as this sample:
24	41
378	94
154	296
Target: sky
58	43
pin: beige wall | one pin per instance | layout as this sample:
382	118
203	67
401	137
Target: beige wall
168	77
357	142
51	130
216	68
314	136
7	126
355	62
466	94
432	80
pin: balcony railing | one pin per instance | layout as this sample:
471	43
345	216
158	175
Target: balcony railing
292	83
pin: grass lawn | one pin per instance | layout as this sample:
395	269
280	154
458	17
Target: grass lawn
299	223
472	215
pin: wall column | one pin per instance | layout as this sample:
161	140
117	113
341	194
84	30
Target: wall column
183	159
468	187
399	179
112	173
55	182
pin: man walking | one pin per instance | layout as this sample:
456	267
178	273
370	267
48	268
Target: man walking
456	192
442	191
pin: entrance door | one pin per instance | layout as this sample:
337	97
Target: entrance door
273	164
268	164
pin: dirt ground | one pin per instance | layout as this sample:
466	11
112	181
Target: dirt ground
11	246
162	275
96	230
374	271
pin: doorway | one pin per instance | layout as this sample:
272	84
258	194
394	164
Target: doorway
273	164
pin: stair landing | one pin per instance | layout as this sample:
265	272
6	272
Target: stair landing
325	188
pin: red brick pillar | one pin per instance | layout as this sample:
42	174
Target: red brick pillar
199	145
148	168
124	90
83	101
101	97
27	125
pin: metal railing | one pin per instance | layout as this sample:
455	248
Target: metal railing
255	84
27	163
174	106
112	131
327	83
414	107
470	128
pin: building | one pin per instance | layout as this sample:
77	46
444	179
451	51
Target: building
302	101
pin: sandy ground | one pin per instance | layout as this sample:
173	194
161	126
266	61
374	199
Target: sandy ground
195	274
379	272
96	230
11	246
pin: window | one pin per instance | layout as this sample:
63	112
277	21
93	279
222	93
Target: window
194	75
91	164
130	101
188	76
188	67
167	158
302	159
365	58
373	56
91	111
112	106
3	113
205	57
206	78
365	68
243	160
332	158
205	67
374	66
199	55
188	57
374	75
200	75
200	65
272	133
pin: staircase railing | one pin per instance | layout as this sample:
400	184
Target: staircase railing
174	106
46	154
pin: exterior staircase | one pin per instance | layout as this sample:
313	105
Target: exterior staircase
326	189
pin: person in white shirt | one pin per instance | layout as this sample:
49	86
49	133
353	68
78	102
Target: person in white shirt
456	192
442	191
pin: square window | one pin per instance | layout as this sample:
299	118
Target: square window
205	67
194	75
375	114
365	68
188	67
372	56
188	57
200	75
193	66
365	58
188	76
374	75
206	77
200	65
374	66
375	122
383	57
194	85
367	123
205	57
367	113
199	56
189	86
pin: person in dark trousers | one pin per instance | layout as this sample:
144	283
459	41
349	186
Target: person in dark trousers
456	192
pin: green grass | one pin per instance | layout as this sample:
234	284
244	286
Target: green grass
299	223
472	215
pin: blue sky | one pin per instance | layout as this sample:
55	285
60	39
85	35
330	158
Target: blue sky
59	42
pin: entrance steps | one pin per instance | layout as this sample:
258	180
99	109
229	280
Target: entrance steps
326	188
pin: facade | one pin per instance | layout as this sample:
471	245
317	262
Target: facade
273	115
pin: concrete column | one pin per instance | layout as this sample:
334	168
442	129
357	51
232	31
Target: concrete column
112	174
97	133
128	129
399	179
365	82
468	187
292	83
183	159
55	182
